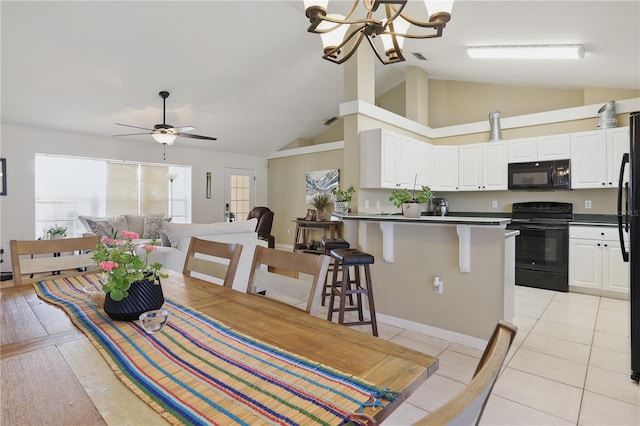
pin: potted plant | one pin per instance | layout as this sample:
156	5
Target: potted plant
410	200
131	284
55	232
320	201
342	198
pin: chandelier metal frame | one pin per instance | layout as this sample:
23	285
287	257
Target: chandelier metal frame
370	27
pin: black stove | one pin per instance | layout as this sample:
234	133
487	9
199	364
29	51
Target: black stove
542	248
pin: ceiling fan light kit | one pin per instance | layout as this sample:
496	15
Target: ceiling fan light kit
549	51
341	35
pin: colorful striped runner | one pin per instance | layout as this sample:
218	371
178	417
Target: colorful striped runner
197	371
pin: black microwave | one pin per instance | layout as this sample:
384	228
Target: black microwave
540	175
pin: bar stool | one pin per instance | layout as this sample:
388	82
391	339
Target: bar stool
346	258
329	244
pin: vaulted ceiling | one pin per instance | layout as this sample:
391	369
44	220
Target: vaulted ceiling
248	73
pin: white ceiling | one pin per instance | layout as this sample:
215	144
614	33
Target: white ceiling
248	73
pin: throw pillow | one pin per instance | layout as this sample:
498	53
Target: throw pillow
164	238
100	227
153	226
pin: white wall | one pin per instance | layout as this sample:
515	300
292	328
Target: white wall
20	144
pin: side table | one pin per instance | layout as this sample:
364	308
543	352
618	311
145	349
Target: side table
304	227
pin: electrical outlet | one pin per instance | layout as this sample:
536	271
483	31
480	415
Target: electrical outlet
378	204
587	204
288	231
366	204
494	204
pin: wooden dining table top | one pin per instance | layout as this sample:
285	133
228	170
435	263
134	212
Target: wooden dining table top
52	374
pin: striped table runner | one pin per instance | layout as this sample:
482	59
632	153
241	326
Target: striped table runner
197	371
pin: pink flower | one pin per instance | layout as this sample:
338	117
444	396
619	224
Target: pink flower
148	247
130	235
108	265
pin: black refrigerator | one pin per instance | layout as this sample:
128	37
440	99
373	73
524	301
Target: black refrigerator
629	222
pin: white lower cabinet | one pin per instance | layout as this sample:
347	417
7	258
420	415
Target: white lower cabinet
595	261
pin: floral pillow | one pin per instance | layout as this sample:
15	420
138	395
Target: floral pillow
100	227
153	226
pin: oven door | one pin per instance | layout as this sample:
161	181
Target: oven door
542	256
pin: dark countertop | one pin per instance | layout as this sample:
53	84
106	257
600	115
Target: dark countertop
595	219
449	219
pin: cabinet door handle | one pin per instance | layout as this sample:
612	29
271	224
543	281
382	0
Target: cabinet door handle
598	244
606	245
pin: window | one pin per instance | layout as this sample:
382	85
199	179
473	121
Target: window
67	187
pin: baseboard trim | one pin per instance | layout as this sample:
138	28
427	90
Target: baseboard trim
439	333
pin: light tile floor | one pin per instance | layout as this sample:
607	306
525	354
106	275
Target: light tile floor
569	364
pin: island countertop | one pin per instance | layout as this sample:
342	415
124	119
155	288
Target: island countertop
442	220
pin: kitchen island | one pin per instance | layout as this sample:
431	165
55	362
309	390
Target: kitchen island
474	258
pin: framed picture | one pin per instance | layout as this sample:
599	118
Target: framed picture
321	182
3	174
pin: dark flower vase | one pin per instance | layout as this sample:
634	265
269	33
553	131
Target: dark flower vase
143	296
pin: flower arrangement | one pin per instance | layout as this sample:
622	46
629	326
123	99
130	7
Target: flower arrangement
121	266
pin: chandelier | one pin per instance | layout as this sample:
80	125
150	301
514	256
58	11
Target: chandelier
338	30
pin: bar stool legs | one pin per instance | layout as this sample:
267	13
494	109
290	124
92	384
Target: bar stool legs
351	284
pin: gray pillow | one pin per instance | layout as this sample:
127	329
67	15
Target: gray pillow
100	227
153	226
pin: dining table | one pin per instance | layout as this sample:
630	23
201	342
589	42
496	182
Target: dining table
54	373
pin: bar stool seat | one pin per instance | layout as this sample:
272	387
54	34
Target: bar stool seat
352	258
329	244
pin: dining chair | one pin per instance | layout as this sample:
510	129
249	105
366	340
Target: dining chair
212	261
37	260
290	277
467	406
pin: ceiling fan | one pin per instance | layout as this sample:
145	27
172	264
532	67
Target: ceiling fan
165	133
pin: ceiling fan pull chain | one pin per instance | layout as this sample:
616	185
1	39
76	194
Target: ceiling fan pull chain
164	151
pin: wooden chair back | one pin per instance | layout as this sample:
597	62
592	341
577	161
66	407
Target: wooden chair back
281	276
37	260
212	261
467	406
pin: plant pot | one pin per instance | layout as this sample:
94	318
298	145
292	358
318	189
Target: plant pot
341	206
143	296
412	210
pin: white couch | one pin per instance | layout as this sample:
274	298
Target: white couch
179	235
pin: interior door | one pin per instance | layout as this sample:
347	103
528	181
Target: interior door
239	192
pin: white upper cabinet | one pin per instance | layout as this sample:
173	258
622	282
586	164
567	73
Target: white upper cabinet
523	150
617	145
390	160
470	167
588	160
541	148
596	157
482	166
445	168
554	147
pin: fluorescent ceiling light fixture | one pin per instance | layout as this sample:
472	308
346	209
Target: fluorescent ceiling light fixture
551	51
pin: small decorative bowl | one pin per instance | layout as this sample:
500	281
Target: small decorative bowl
95	296
153	321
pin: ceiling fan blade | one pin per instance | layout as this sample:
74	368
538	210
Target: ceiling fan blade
191	135
184	129
133	134
135	127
